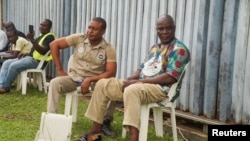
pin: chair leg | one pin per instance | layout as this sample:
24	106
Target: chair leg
18	82
71	103
173	121
74	106
44	81
68	103
39	80
124	132
29	77
144	122
35	79
158	121
24	81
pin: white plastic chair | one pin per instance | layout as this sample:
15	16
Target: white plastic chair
158	114
39	76
71	100
54	127
71	104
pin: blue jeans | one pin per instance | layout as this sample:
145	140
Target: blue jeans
12	67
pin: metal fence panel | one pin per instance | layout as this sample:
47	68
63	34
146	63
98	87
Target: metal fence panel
216	32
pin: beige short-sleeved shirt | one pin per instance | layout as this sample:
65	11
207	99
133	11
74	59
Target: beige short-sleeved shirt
22	45
88	60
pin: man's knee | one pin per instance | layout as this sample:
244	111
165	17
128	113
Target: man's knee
103	82
131	90
55	81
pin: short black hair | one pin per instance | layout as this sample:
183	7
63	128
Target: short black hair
166	16
101	20
9	25
49	22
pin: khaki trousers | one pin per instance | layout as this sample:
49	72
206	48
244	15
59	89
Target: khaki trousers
63	84
133	96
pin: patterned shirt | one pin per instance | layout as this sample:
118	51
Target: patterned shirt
170	59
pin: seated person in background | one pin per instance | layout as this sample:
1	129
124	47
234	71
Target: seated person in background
12	67
19	45
149	84
3	40
93	58
10	26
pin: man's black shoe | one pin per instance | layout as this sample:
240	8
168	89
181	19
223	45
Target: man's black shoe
106	129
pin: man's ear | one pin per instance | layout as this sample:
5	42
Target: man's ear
103	31
174	28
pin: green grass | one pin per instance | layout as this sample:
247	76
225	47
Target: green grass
20	117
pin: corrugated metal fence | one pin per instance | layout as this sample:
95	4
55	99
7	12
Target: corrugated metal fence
217	33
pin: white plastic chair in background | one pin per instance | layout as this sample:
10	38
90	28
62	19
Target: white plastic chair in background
158	114
38	74
54	127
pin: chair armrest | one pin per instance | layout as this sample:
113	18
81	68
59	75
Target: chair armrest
40	65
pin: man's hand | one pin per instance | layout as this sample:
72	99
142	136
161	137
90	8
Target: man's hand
62	73
21	55
85	86
30	36
127	82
